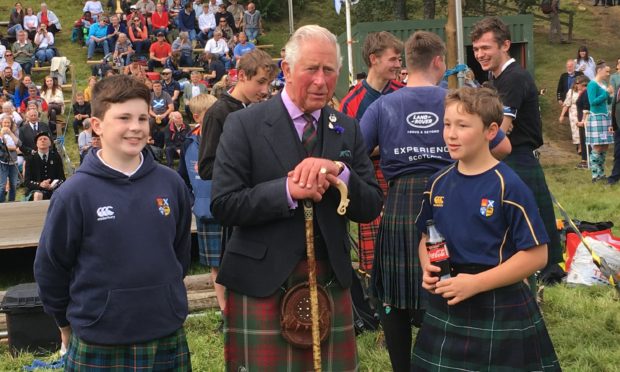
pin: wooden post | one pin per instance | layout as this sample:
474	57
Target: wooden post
451	42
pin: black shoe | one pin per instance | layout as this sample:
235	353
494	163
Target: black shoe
612	181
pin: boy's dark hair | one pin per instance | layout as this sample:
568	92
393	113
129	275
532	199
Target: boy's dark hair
500	30
116	89
251	62
483	102
421	48
378	42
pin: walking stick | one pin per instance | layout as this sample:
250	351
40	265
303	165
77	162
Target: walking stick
314	299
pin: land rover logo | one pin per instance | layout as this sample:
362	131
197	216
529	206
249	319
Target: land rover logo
422	120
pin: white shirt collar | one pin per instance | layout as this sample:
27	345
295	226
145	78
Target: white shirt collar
128	174
505	65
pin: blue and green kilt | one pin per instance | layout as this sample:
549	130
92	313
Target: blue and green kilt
597	130
498	330
169	353
396	274
252	332
209	236
524	163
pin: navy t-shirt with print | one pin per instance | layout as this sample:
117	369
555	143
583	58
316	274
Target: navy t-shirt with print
485	218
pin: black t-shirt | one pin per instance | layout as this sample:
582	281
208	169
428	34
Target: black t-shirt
217	66
171	87
81	109
520	99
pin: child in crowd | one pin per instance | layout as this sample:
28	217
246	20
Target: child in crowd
599	132
570	106
111	261
85	139
92	80
81	111
484	316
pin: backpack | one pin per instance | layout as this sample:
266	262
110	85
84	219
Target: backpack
546	6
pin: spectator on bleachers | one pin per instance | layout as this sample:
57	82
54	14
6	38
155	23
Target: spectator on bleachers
192	89
218	47
213	5
81	112
44	170
85	139
174	9
9	61
186	21
174	63
242	47
44	41
28	132
161	106
237	11
9	83
171	86
227	32
23	51
160	20
206	24
97	37
252	23
21	92
146	7
94	7
114	29
79	33
174	137
135	13
139	35
8	109
31	23
33	98
92	80
9	143
16	20
221	87
51	92
198	7
183	45
215	68
159	52
122	50
230	19
48	18
136	70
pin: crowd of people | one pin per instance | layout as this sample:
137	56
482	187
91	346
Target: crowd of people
589	95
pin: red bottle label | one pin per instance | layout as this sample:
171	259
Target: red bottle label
437	252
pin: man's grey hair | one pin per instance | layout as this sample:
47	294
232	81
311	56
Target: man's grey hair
309	32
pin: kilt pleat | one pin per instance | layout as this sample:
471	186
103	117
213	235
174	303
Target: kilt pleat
368	231
531	173
209	236
169	353
396	270
597	130
498	330
252	335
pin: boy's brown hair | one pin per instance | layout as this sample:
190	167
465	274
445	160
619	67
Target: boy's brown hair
378	42
500	30
421	48
116	89
482	102
253	61
201	103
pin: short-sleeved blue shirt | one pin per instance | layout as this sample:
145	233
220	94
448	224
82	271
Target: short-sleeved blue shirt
485	218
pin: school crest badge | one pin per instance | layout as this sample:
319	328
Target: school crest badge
486	207
163	205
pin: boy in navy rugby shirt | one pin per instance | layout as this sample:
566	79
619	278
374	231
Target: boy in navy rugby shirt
484	317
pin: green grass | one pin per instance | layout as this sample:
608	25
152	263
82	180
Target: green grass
584	322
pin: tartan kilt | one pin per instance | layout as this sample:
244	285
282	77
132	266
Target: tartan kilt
169	353
252	333
498	330
368	231
597	130
528	168
209	236
397	276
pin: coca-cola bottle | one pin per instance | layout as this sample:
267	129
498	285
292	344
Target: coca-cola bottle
437	250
